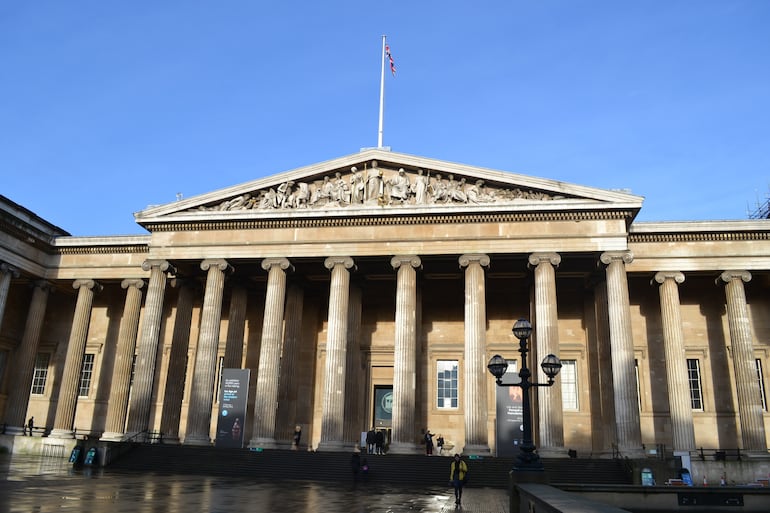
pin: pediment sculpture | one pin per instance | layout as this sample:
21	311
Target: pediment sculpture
376	186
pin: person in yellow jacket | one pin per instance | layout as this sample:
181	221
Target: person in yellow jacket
457	476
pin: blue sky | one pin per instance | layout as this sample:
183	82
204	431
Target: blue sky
108	107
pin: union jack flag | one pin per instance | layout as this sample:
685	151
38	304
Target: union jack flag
390	60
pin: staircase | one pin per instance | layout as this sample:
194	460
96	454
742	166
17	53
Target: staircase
412	469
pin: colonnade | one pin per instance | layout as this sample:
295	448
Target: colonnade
281	327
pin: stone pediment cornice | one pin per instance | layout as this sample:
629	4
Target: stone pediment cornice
353	221
700	231
377	182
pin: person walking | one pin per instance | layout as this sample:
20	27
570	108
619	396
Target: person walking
458	471
297	437
355	465
440	443
371	440
380	441
31	425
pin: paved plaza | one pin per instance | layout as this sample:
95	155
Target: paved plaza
42	485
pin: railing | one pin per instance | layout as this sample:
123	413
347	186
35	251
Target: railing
718	454
146	436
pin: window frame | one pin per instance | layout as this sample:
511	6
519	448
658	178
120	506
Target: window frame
453	381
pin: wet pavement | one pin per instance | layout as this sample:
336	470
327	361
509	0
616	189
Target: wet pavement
42	485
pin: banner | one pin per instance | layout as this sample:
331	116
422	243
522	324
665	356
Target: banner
233	399
509	428
383	406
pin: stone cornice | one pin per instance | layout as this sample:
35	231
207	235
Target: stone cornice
715	236
103	250
334	222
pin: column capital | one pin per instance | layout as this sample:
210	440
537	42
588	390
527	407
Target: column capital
283	263
132	282
89	284
333	261
728	276
219	263
43	285
482	259
6	268
536	259
399	260
661	277
164	265
609	256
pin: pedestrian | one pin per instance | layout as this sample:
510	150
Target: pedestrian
355	465
379	441
364	469
458	475
440	443
31	425
297	437
371	440
428	442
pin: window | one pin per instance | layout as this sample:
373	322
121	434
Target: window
446	384
761	380
86	372
693	376
568	377
40	374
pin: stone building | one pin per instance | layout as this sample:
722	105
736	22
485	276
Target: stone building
382	276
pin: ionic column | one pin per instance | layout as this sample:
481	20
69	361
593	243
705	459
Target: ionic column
405	358
629	432
24	363
171	413
144	368
6	273
332	423
746	385
604	417
266	400
288	384
236	323
68	391
682	429
117	407
205	373
475	398
547	336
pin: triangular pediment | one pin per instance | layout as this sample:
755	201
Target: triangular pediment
386	183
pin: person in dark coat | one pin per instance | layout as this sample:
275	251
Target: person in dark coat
380	442
371	440
355	465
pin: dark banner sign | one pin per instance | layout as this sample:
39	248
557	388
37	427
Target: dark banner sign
383	406
233	398
509	429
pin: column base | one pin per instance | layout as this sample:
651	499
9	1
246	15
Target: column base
197	440
405	448
553	452
112	436
15	431
333	446
62	433
263	443
477	450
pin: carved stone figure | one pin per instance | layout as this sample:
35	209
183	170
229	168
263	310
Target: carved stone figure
420	188
398	187
357	187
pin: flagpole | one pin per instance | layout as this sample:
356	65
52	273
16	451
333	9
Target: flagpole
382	93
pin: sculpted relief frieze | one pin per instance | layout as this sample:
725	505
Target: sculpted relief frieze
375	186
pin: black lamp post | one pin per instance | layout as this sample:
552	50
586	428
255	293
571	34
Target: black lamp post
527	459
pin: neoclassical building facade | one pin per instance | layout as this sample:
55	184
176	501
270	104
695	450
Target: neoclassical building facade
383	282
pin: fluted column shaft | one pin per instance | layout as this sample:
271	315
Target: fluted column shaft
171	415
405	358
236	326
117	409
353	389
475	382
606	432
144	368
68	391
682	428
266	400
6	273
628	428
332	423
746	385
205	372
287	386
547	336
24	363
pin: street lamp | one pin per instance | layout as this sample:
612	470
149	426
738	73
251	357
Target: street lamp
551	365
